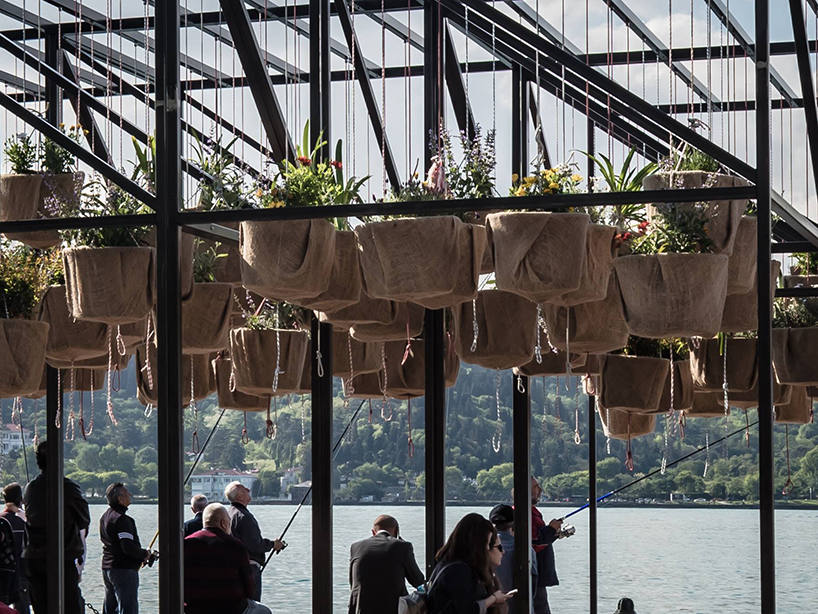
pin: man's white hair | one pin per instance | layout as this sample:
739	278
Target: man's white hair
198	503
232	489
214	514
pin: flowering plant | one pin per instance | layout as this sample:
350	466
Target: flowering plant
473	175
27	158
805	264
272	316
24	275
562	179
795	313
224	190
672	229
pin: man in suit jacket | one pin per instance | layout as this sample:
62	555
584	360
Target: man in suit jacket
198	503
379	568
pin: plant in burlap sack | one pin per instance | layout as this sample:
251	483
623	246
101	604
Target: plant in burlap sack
206	258
627	179
795	341
21	153
271	316
562	179
224	184
24	276
105	198
677	349
805	264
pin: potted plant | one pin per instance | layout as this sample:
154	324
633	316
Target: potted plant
804	272
795	341
708	358
677	392
229	396
634	380
406	322
198	379
798	410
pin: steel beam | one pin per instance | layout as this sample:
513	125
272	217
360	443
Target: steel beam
457	87
521	408
86	117
807	87
593	562
536	120
519	125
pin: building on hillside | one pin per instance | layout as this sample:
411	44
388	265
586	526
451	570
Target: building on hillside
290	478
297	492
212	483
11	437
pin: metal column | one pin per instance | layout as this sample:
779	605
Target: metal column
170	427
521	404
518	121
593	568
766	462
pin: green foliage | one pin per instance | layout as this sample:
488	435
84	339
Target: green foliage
205	261
627	179
144	171
21	152
24	275
690	159
54	158
805	264
271	316
562	179
473	175
795	313
108	199
216	160
657	348
676	229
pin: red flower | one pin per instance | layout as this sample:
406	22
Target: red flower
336	164
305	161
643	227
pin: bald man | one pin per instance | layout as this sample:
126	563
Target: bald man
379	568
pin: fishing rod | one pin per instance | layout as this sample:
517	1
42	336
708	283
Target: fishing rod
193	467
335	450
655	471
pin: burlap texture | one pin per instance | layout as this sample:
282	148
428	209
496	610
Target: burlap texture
345	280
596	327
592	366
408	316
507	330
672	295
539	256
206	319
254	353
433	261
236	399
707	365
596	268
487	263
798	410
626	425
133	333
795	355
741	272
741	310
553	363
682	388
114	285
100	361
707	405
228	267
812	391
365	357
632	383
19	197
749	399
52	191
367	386
195	366
590	384
69	339
186	249
802	281
82	381
22	356
287	260
367	310
724	215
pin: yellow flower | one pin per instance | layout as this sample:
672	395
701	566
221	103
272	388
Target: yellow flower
553	185
529	180
515	177
259	193
546	191
62	124
576	178
544	172
521	191
85	132
277	204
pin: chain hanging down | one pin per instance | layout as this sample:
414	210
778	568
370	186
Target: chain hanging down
495	439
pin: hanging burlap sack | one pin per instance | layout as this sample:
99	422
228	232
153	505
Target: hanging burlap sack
206	319
596	267
798	410
592	366
672	295
195	366
367	310
84	381
487	263
432	261
724	215
186	255
795	355
507	326
800	281
69	339
228	266
234	399
345	280
707	405
749	399
682	389
596	327
626	425
553	363
287	260
408	322
406	379
539	256
19	200
741	273
26	197
22	356
812	391
707	365
114	285
254	354
367	386
133	334
353	357
741	310
119	362
632	383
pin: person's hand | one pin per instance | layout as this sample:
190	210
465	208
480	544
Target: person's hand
555	524
278	545
500	597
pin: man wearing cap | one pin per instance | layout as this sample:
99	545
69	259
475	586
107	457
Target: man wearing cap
502	517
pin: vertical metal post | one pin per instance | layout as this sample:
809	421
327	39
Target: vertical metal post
521	408
170	427
55	434
517	119
593	571
766	462
320	73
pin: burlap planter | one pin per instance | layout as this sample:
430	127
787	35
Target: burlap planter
85	380
186	256
22	356
194	367
364	357
408	322
672	295
228	267
553	363
367	386
487	263
632	383
367	310
741	310
540	256
596	327
119	362
408	380
682	389
287	260
206	319
749	399
707	365
432	261
626	425
26	197
114	285
234	399
590	385
254	355
798	410
725	215
596	268
133	334
707	405
741	273
800	281
795	355
69	339
507	330
592	366
345	280
812	391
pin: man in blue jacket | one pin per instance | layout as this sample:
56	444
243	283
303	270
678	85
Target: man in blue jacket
502	517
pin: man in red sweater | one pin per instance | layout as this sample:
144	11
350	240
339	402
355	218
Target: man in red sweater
218	578
543	537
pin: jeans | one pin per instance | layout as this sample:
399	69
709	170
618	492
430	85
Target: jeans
254	607
37	575
541	601
121	591
257	579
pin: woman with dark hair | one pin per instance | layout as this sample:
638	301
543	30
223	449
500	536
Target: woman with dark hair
463	581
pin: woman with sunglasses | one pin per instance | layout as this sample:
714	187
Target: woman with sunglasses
463	581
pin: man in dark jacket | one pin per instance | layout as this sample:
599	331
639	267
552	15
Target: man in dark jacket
244	527
543	538
379	568
122	555
218	577
76	519
13	514
197	505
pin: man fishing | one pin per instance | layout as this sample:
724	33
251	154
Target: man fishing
244	527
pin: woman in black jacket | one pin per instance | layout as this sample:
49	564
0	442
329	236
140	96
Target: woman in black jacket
463	581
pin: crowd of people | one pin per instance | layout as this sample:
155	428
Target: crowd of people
225	554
